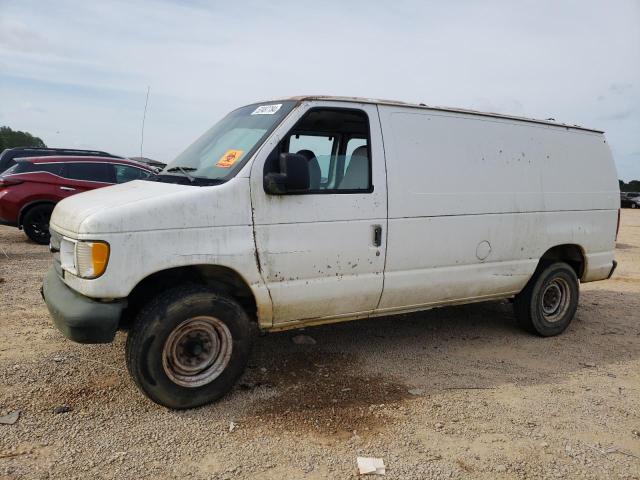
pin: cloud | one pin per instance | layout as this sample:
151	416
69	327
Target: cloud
620	115
17	36
620	88
28	106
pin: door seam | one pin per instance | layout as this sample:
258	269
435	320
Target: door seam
386	221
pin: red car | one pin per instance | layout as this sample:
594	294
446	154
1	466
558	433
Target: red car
30	189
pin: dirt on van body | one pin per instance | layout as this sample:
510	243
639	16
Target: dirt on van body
451	393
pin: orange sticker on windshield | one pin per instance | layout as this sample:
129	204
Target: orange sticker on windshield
229	158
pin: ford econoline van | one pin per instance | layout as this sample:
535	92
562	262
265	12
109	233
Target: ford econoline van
313	210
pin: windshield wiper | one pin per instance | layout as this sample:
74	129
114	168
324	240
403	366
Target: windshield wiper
184	171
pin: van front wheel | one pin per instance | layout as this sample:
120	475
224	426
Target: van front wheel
548	303
188	347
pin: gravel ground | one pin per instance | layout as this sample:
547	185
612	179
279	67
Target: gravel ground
451	393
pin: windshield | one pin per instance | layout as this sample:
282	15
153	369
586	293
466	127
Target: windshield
225	147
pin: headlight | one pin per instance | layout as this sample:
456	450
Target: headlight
85	259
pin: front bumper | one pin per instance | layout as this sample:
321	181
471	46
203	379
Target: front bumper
80	318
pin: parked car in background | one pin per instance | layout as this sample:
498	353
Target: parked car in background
31	188
9	156
630	199
624	201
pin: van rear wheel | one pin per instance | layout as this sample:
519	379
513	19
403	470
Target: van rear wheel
549	302
188	346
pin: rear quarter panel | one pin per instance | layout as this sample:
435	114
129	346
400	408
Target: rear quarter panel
36	188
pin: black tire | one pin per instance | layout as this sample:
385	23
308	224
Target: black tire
171	335
548	303
36	223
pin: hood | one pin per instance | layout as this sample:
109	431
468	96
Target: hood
141	206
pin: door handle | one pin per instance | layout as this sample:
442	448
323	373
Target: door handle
377	235
68	189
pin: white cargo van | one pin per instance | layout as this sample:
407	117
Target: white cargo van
312	210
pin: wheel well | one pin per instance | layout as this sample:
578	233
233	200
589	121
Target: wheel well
29	206
223	279
571	254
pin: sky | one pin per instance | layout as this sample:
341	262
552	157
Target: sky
75	73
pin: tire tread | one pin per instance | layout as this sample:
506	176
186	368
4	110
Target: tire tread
522	304
159	305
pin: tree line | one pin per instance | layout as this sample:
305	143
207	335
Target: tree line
14	138
632	186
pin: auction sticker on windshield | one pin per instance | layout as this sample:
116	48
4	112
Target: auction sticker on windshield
267	109
229	158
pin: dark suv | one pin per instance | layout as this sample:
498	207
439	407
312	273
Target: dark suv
30	189
9	155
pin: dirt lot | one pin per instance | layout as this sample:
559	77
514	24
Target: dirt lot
451	393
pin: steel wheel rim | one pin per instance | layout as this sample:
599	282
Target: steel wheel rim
197	351
555	299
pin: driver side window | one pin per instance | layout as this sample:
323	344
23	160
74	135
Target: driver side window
335	143
321	148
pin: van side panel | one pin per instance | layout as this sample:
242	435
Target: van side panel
578	173
444	164
474	202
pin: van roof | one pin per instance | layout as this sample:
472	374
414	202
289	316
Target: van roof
376	101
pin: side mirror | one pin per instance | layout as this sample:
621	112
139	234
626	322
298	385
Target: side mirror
292	178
